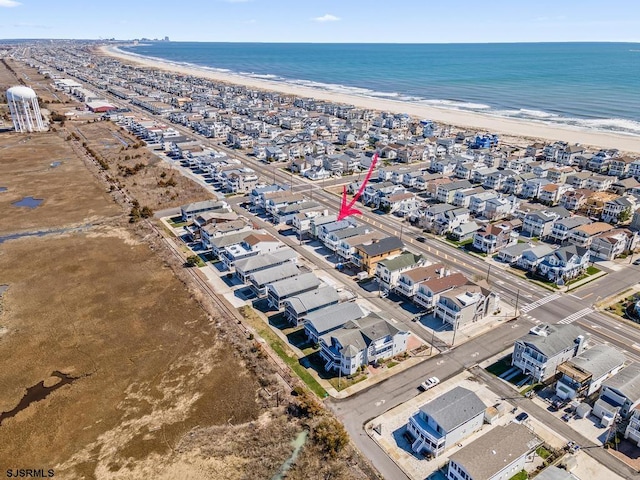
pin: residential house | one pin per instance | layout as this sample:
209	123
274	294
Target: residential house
346	246
462	198
258	281
619	209
539	224
635	221
466	304
287	213
595	203
255	244
298	306
552	193
561	228
619	396
446	192
400	204
619	166
214	231
498	455
583	235
301	222
318	221
209	218
445	166
501	207
599	183
559	175
564	263
323	231
496	180
555	473
579	179
446	221
478	202
539	352
316	173
634	169
278	292
191	210
632	432
575	199
494	237
248	266
361	342
388	271
409	280
446	421
627	185
533	187
584	374
513	253
433	186
334	238
428	292
533	256
328	319
464	231
367	255
612	244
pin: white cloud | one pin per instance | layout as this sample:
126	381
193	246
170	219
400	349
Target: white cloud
327	18
9	3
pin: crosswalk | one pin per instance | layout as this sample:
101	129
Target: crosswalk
537	303
575	316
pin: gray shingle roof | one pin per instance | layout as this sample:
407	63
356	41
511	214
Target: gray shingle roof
258	262
557	338
293	285
554	473
356	335
273	274
495	450
454	408
627	382
329	318
599	360
384	245
313	299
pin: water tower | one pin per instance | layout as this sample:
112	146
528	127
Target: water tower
24	108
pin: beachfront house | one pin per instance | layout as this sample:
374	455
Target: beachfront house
445	421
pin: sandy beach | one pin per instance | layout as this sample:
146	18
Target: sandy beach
476	121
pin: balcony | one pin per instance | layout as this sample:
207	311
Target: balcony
447	314
405	289
431	439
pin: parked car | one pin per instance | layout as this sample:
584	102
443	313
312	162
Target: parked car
636	261
566	417
421	239
429	383
522	417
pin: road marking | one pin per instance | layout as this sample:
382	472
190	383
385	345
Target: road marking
381	402
589	294
537	303
575	316
439	362
475	354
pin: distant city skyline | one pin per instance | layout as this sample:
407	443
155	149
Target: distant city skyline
326	21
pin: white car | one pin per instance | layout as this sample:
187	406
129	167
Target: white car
429	383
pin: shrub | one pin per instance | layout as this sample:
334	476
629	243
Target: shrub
331	436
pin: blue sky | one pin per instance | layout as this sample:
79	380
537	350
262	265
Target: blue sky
399	21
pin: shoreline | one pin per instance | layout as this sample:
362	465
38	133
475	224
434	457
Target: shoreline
509	127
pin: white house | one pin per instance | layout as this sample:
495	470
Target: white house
361	342
445	421
584	374
539	352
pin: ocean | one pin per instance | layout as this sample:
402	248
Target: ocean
587	85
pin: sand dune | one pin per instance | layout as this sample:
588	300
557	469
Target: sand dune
504	126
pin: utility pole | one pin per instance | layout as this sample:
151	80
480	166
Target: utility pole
433	333
455	329
515	314
488	272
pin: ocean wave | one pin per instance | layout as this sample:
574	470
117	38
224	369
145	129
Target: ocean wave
525	113
455	104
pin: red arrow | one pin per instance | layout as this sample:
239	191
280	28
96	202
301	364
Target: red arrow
347	209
